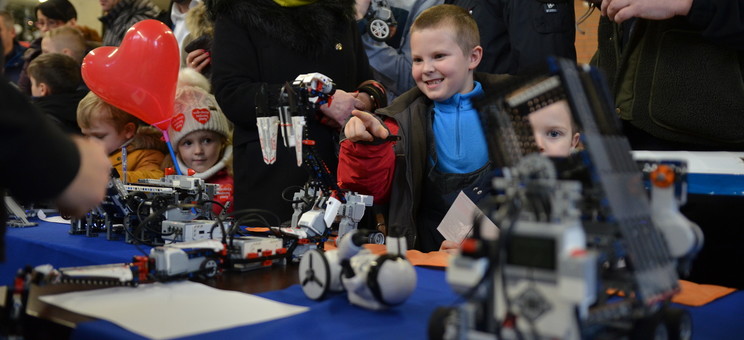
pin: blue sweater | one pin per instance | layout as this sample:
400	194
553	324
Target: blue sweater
458	134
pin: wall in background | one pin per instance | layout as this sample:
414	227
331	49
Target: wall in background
88	13
88	10
586	42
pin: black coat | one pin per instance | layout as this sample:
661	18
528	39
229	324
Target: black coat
521	34
258	42
62	109
37	160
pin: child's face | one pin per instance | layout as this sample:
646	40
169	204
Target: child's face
552	128
440	68
106	132
200	150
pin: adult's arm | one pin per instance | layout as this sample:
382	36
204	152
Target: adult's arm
41	162
722	21
37	160
719	20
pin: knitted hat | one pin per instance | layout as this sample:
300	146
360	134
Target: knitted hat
196	109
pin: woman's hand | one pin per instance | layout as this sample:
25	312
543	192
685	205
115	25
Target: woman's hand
341	106
198	59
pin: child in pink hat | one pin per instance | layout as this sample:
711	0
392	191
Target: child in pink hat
201	135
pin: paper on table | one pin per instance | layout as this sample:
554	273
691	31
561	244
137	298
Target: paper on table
52	219
175	309
457	224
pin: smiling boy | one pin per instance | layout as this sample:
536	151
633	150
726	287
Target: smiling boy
443	148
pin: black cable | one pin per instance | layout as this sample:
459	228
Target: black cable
284	193
257	211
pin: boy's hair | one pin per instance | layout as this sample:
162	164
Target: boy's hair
464	26
8	19
61	10
68	37
92	107
59	72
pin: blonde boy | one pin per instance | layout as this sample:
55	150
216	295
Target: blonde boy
66	40
118	129
443	149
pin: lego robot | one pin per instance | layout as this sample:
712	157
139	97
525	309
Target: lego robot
380	20
320	202
582	252
372	281
137	211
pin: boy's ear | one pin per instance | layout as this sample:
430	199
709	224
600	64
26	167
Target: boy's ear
476	54
44	89
130	129
575	140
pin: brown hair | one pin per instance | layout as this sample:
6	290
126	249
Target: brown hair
454	17
92	107
59	72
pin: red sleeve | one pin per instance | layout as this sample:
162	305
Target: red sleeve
368	169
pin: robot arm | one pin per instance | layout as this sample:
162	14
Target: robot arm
296	101
319	87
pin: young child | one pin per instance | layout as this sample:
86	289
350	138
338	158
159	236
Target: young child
555	133
118	129
55	79
443	149
201	135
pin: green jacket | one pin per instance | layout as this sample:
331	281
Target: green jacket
672	82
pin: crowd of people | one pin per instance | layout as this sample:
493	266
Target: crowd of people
419	83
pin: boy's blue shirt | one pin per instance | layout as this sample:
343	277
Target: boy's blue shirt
458	134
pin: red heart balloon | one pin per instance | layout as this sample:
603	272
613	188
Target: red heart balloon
140	75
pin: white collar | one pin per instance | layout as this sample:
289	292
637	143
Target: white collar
214	169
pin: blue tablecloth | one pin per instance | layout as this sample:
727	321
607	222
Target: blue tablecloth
333	318
52	243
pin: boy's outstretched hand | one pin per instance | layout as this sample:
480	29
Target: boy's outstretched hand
364	127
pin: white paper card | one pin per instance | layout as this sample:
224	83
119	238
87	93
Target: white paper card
52	219
174	309
457	224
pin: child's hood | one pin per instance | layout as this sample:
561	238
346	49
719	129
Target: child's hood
148	137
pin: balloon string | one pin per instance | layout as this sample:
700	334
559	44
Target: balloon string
167	121
172	153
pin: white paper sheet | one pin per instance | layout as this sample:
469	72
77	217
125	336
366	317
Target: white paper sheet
52	219
457	224
175	309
